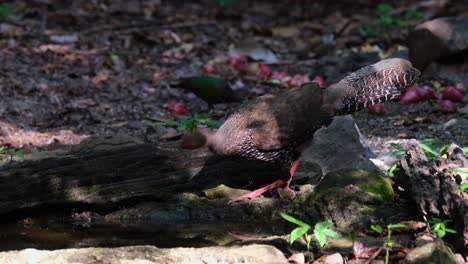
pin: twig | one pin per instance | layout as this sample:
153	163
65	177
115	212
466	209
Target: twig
369	260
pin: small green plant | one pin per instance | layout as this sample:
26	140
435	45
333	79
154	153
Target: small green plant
439	227
187	123
464	171
439	85
433	147
321	231
465	149
7	9
386	20
463	187
10	153
393	170
388	242
399	150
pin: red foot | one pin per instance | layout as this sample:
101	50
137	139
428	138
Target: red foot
274	185
258	192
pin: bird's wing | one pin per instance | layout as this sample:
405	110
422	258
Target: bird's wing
287	118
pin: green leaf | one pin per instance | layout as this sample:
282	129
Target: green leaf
400	23
431	141
400	150
440	233
437	226
332	233
392	226
430	150
367	31
390	243
411	13
19	154
434	220
465	149
294	220
7	9
393	170
308	240
115	57
385	8
463	187
443	150
322	225
201	119
213	123
449	230
297	233
462	170
385	20
321	237
377	228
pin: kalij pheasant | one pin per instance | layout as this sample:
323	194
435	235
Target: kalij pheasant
276	127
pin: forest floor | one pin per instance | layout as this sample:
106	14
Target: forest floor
68	72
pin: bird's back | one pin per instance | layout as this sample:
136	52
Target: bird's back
272	126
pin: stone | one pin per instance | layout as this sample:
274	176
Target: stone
438	39
340	145
431	253
148	255
353	199
335	258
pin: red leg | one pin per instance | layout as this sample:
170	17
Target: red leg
274	185
258	192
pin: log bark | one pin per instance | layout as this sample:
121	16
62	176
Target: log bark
434	187
121	173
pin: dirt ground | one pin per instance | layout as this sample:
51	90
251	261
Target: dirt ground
68	71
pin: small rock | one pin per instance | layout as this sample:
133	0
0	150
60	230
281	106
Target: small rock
430	253
439	38
340	145
135	124
353	198
404	135
286	32
334	259
456	123
149	254
223	191
298	258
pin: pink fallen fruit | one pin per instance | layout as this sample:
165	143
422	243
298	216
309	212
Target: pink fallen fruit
411	95
238	62
297	80
320	80
425	92
264	71
435	94
176	108
447	106
377	109
452	93
209	68
279	75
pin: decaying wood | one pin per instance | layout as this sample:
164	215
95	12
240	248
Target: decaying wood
105	176
433	187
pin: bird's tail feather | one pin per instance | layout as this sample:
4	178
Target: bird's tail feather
376	83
